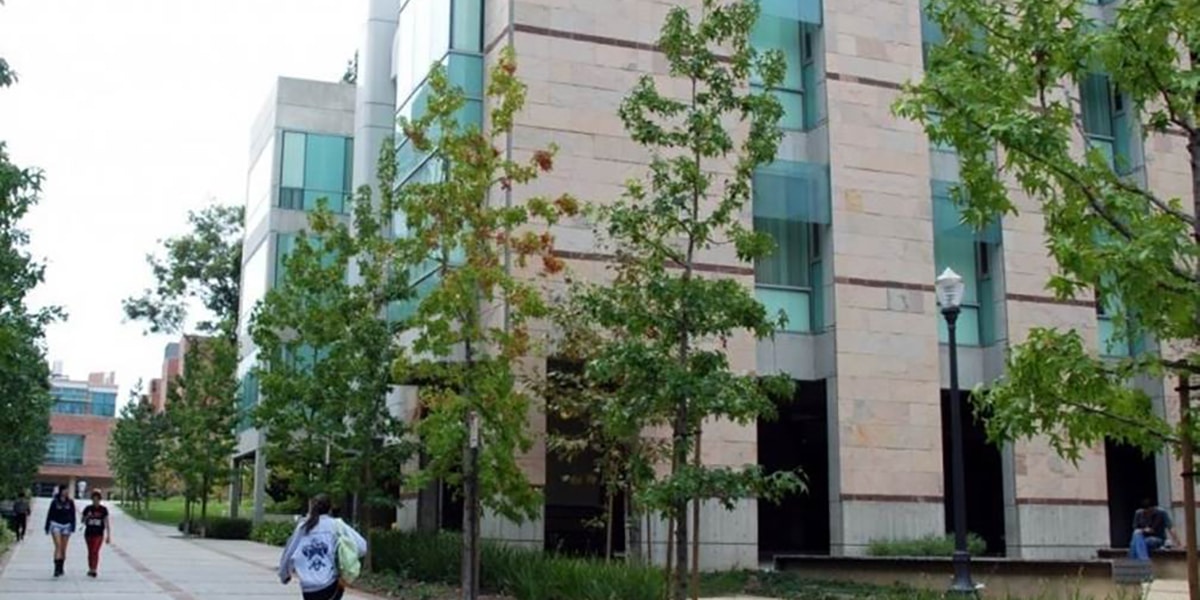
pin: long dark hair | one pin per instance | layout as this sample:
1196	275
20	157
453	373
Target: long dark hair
318	506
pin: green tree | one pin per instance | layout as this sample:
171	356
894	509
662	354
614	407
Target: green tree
204	265
201	415
665	355
1014	89
201	266
24	377
327	347
135	447
471	329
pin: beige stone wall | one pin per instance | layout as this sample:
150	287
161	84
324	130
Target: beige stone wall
887	362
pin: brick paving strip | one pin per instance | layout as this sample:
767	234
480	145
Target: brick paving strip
174	591
215	546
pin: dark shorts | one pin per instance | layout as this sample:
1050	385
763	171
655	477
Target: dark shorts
333	592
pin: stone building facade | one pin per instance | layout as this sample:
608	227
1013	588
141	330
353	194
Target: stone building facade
858	201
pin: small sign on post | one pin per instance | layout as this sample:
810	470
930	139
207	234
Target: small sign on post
473	427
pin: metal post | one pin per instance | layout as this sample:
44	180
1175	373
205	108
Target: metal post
327	444
962	584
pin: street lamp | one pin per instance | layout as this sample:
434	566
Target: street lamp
949	288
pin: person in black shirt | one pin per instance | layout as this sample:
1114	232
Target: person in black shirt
20	515
96	529
60	523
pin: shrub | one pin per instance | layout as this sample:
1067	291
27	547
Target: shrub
521	573
7	537
225	528
930	545
275	533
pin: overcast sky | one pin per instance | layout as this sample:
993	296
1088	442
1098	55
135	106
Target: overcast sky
138	111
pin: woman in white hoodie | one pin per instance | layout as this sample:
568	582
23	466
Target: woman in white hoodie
311	553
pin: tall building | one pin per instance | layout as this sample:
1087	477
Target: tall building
81	421
171	368
858	203
301	152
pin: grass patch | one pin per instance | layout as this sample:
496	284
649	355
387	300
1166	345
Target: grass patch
170	511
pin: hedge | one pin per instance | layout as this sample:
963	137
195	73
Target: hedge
521	573
220	528
275	533
930	545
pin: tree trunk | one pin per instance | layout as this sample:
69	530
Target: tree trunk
633	530
204	503
1186	452
365	522
608	523
679	506
670	558
696	524
470	550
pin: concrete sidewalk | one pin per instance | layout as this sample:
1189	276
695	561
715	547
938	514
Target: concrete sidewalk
145	561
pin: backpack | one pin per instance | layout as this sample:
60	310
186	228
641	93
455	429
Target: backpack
349	564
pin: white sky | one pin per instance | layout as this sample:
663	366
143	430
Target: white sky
139	110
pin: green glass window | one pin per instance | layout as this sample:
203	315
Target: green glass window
1106	120
805	11
969	252
63	449
292	172
795	40
1112	342
962	255
315	166
791	205
465	71
466	30
284	244
931	32
248	390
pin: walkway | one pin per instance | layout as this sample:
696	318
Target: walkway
145	561
1168	589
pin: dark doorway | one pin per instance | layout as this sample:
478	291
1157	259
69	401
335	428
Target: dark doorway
797	439
984	477
580	516
451	507
1132	478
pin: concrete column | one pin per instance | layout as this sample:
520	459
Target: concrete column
235	489
375	100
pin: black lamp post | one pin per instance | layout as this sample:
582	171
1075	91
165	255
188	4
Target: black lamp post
949	287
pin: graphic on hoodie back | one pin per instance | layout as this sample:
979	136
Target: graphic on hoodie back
316	552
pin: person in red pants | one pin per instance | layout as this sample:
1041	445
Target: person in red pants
96	530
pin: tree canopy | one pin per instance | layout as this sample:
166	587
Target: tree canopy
666	324
205	266
24	376
326	346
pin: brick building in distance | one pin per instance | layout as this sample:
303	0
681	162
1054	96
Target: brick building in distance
81	422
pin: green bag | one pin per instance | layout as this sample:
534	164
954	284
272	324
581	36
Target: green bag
349	564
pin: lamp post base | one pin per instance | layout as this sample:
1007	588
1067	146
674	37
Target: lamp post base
962	586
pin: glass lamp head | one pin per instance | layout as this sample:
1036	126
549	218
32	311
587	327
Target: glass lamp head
949	288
